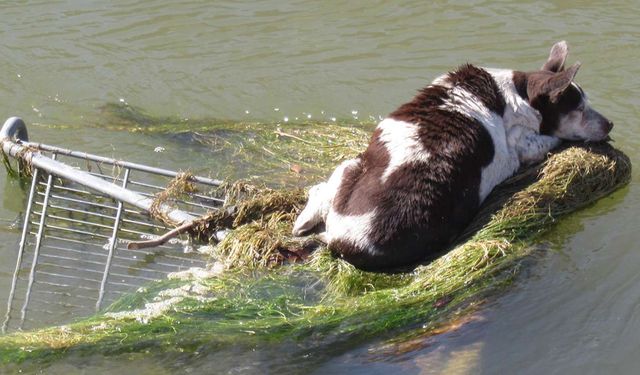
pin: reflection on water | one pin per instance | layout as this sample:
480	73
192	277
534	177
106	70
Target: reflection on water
268	60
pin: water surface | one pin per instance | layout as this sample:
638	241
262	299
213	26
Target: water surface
576	309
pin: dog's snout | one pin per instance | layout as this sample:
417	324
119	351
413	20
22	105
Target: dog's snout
601	123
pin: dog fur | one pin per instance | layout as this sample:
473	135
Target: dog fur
431	163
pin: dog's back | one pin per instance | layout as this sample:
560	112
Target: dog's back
417	184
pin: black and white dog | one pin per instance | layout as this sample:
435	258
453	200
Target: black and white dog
432	161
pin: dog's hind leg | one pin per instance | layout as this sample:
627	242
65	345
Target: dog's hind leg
320	201
323	237
313	213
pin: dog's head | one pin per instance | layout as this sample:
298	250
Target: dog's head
565	109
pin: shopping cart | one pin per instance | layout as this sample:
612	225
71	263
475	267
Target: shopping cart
81	212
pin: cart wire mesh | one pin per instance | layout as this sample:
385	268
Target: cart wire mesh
81	212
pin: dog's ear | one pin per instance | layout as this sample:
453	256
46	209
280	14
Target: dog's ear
557	57
542	85
559	82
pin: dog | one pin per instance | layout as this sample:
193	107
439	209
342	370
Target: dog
431	162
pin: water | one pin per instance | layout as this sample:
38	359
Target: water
574	312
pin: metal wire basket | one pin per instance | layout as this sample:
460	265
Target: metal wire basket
81	211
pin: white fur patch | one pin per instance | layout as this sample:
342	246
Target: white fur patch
576	126
354	229
320	199
442	81
469	105
403	144
314	211
517	110
504	164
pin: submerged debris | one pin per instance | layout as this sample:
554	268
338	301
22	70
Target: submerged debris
181	185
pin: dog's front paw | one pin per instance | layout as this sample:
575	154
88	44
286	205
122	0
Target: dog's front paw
533	148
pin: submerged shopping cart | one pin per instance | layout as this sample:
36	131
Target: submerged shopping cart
81	212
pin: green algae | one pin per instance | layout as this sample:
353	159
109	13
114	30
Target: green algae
276	152
325	304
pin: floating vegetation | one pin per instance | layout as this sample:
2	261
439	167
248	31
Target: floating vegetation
294	152
325	305
259	227
182	184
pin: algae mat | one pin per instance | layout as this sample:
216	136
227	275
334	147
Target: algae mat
282	153
325	306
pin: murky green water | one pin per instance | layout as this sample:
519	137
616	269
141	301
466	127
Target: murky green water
575	312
